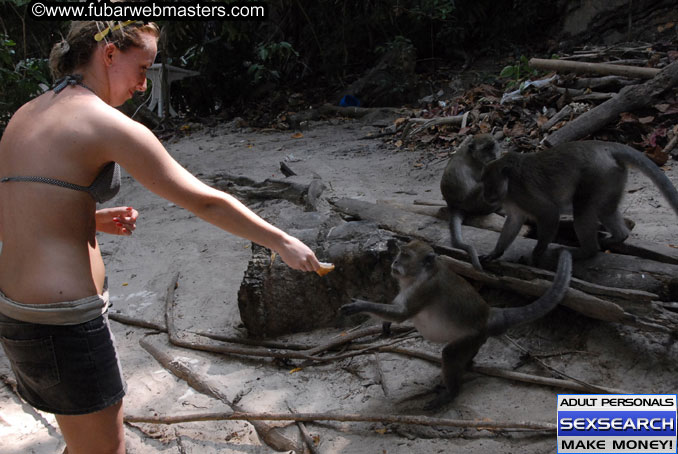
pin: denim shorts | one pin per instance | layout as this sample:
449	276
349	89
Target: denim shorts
64	369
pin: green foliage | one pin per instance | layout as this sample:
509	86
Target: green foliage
397	42
19	79
433	10
271	59
518	72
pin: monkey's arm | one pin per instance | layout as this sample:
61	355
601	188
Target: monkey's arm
390	312
509	232
405	305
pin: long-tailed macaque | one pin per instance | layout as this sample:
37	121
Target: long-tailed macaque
446	309
462	190
588	176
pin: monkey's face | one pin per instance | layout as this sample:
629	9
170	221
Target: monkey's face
495	183
487	153
411	260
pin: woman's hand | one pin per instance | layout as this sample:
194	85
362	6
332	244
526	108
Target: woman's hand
297	255
117	220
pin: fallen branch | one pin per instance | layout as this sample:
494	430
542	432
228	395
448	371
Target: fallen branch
129	320
565	112
605	69
345	338
603	82
380	372
587	386
629	98
390	130
305	435
270	435
425	123
312	417
308	439
535	379
359	350
594	97
253	342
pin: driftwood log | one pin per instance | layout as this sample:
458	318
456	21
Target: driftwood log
614	83
495	222
491	221
629	98
626	286
301	194
313	417
605	69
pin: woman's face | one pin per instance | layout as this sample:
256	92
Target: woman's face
127	73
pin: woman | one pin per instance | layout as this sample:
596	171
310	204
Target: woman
56	162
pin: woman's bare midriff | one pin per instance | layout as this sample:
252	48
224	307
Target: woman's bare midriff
49	252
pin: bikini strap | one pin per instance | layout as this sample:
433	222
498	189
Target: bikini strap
51	181
70	79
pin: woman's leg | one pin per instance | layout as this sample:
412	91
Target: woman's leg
100	432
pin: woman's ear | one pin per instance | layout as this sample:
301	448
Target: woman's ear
109	51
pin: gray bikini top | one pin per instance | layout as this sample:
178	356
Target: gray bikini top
104	187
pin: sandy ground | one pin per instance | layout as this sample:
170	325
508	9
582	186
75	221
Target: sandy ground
211	263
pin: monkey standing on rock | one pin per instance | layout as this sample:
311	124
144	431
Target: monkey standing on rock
588	175
461	188
445	308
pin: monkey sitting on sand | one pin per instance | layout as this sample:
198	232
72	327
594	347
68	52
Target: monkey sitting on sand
461	188
446	309
589	176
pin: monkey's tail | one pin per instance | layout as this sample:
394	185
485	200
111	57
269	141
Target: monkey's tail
456	218
502	319
644	164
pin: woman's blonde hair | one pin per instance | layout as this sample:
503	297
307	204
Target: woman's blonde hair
78	46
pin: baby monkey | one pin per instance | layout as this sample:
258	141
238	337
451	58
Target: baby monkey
461	188
446	309
588	176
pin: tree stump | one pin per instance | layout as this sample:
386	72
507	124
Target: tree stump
275	300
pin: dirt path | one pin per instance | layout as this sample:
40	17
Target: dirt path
211	263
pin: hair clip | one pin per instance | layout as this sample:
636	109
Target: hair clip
102	34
